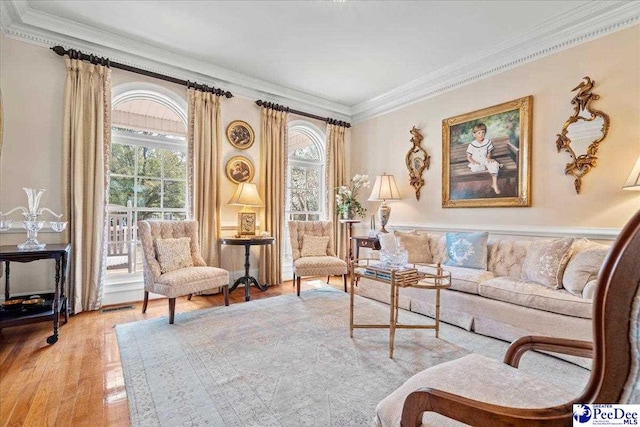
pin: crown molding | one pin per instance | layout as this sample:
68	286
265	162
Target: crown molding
586	23
21	22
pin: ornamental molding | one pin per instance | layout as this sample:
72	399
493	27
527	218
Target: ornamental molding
588	22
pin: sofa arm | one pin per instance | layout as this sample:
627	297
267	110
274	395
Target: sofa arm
557	345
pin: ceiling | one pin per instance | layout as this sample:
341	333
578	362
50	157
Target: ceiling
344	57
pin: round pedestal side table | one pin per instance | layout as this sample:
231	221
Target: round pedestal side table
247	279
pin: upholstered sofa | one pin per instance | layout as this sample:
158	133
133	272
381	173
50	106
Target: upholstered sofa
505	300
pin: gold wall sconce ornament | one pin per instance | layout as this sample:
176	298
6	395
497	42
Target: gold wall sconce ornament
417	161
586	126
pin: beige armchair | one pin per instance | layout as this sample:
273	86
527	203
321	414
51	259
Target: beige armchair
314	255
178	268
480	391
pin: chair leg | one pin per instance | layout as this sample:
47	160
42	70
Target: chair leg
344	278
145	302
294	279
189	297
172	310
298	285
225	291
328	277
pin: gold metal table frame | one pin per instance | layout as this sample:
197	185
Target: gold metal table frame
396	279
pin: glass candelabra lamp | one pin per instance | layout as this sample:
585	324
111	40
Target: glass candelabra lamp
32	219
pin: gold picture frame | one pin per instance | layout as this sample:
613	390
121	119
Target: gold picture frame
240	134
246	223
240	169
470	178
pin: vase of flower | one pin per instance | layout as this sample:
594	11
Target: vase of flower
347	205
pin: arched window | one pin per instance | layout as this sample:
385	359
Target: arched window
147	166
306	198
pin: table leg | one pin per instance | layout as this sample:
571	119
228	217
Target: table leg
392	323
7	291
351	298
437	312
56	305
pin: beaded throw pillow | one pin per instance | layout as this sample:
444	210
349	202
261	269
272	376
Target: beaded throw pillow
174	253
467	250
314	245
546	260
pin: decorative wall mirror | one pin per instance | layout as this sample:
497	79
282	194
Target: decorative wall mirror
583	132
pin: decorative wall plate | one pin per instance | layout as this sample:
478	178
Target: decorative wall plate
240	169
240	134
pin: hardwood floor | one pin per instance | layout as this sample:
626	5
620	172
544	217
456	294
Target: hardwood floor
78	381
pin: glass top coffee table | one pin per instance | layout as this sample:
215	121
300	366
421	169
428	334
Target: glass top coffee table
398	278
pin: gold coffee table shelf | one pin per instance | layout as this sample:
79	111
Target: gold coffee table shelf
396	279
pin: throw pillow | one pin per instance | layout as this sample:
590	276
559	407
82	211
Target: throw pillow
416	245
583	266
314	245
467	250
546	260
174	253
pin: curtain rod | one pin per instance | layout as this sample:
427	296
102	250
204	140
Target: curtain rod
76	54
279	107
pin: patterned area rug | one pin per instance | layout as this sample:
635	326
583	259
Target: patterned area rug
288	361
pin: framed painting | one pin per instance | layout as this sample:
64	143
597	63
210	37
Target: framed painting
486	160
240	134
240	169
247	223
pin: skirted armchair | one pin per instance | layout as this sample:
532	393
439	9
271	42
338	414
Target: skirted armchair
313	255
172	263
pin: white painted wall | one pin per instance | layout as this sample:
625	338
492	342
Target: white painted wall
380	144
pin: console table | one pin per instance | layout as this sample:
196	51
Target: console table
247	279
53	302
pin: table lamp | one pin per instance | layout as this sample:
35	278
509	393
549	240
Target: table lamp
384	189
633	182
246	195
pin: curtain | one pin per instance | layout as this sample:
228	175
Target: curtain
273	166
87	141
336	176
204	176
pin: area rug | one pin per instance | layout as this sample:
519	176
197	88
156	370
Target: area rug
287	361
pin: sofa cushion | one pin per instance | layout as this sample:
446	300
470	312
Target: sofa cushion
589	289
174	254
314	245
533	295
584	265
505	256
546	260
416	245
462	279
467	250
469	376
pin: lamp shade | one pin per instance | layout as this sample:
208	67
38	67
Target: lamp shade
633	182
246	195
384	188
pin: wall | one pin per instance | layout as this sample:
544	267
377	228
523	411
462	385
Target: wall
380	144
32	80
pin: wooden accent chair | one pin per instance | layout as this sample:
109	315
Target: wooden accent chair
181	281
484	392
320	265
